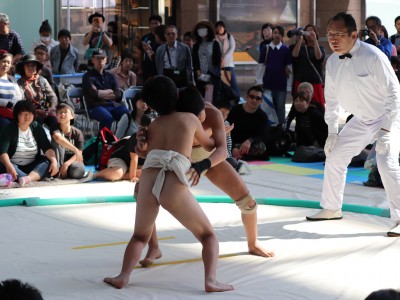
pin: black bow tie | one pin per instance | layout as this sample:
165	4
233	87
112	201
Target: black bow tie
345	55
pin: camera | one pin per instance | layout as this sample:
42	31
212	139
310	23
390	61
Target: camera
297	31
365	32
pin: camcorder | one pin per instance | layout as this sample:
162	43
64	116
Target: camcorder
297	31
365	32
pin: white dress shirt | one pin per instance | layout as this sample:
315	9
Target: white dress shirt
364	85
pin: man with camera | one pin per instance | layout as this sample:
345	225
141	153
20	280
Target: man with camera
97	37
373	31
360	79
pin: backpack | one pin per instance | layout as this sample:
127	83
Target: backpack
308	154
97	150
278	142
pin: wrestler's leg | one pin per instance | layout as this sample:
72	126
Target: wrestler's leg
153	251
232	184
147	208
180	202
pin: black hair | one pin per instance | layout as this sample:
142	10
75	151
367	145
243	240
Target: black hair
155	17
266	25
4	54
160	30
188	34
397	18
394	60
126	54
65	104
190	100
138	96
14	289
374	18
24	106
161	94
385	32
256	88
222	24
45	27
64	32
41	47
384	294
347	19
314	29
280	29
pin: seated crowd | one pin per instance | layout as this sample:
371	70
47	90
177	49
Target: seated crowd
204	59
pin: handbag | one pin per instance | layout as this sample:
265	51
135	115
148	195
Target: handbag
261	70
89	52
6	112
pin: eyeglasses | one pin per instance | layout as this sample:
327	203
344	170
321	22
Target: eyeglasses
254	97
336	35
170	33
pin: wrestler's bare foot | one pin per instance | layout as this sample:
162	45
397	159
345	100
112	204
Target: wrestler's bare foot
260	251
215	286
118	281
151	255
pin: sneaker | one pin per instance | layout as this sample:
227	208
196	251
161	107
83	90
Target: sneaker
23	181
243	168
395	231
326	214
89	177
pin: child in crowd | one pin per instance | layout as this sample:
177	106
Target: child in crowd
165	181
68	142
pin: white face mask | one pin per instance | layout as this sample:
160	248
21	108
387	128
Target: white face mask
45	38
202	32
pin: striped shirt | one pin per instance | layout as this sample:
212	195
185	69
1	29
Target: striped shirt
9	92
26	148
12	43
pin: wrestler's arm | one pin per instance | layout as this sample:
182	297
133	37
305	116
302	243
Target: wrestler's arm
216	122
204	140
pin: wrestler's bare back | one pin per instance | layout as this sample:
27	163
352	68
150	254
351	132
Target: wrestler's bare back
176	132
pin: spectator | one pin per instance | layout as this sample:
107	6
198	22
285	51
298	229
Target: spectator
119	41
277	59
386	36
10	40
395	62
45	37
373	30
37	89
266	35
9	89
129	123
307	89
174	59
68	142
188	39
384	294
395	38
311	129
14	289
123	73
308	58
207	61
41	53
101	92
251	127
22	142
228	45
64	57
97	37
147	49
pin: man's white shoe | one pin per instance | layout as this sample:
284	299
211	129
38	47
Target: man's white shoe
395	231
326	214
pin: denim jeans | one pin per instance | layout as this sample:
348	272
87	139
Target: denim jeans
279	98
40	166
234	84
107	114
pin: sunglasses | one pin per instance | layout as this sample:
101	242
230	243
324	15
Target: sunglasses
255	97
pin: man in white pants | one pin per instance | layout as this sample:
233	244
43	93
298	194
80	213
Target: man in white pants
359	78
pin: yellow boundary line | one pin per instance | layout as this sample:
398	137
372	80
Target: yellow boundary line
114	244
184	261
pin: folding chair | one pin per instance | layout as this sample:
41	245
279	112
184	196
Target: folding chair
75	97
129	94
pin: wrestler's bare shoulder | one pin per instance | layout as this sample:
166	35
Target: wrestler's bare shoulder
214	117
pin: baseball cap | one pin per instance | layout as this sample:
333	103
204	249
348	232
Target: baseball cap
4	18
99	52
